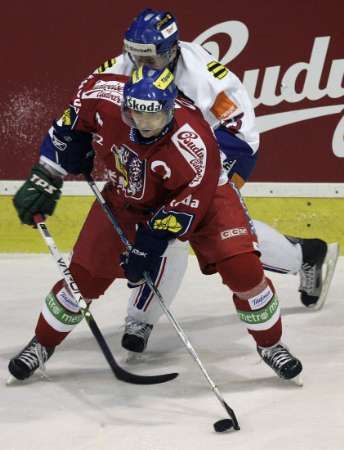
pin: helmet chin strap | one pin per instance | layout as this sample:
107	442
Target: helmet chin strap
173	63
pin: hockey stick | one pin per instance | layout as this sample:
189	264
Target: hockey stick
221	425
117	370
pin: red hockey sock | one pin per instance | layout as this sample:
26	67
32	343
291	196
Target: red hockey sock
60	314
254	297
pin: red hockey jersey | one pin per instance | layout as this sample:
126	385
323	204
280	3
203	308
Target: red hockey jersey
171	180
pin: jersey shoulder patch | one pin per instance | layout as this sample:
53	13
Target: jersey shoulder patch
224	107
105	89
106	65
217	70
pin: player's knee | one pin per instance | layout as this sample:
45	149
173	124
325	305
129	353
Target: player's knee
90	287
241	273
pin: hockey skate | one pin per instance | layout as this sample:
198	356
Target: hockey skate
318	266
26	362
319	261
136	335
281	361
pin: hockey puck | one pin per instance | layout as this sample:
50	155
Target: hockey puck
223	425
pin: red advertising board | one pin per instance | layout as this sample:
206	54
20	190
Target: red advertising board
289	56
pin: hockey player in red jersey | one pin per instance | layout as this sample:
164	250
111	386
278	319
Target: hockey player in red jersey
153	39
166	184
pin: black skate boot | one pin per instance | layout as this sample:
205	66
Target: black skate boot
280	360
319	260
311	283
33	356
136	335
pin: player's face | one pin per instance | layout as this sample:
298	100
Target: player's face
149	124
157	62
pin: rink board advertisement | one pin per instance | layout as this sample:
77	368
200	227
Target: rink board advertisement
289	56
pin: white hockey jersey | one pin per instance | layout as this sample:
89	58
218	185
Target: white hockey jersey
214	89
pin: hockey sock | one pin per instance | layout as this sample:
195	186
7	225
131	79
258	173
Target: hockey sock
260	312
254	297
60	313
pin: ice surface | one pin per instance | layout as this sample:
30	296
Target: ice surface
85	407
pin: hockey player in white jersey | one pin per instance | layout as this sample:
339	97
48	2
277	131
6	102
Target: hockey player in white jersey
153	40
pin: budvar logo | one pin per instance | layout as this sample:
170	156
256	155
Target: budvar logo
192	147
272	94
109	86
107	90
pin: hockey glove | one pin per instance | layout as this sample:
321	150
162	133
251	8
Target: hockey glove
77	155
74	148
39	194
145	256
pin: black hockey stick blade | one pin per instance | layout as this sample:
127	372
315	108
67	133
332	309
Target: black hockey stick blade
232	415
117	370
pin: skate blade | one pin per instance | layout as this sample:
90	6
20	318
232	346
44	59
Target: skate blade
298	380
11	380
134	358
330	263
43	375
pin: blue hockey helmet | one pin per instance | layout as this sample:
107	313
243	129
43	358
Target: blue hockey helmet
148	100
152	38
